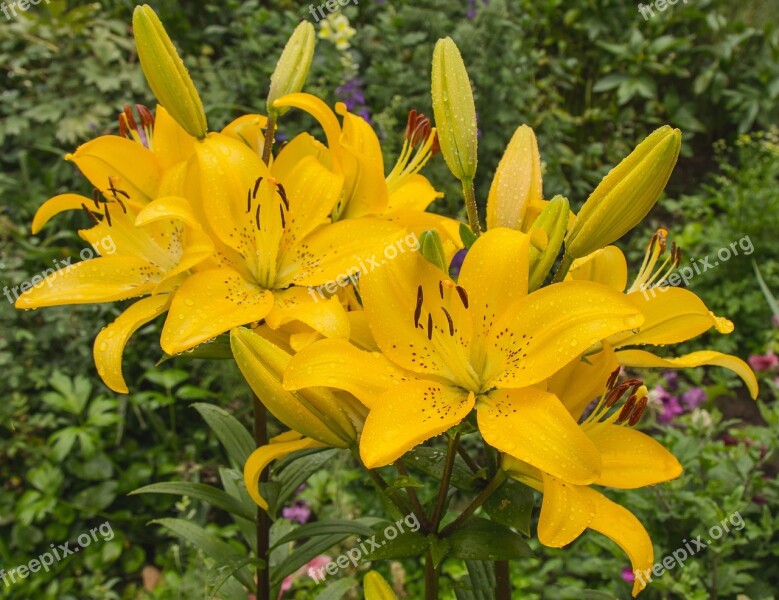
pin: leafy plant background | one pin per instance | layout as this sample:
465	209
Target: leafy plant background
592	78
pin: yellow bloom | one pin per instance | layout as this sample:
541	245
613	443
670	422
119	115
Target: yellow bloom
271	237
672	314
629	458
482	342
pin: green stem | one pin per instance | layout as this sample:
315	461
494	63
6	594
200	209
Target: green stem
502	580
467	458
270	130
451	453
493	485
412	495
470	206
383	486
431	578
263	520
562	270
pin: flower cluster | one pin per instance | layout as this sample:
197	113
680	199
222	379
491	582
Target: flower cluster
480	332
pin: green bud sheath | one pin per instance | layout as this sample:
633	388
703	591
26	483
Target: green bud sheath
432	248
553	220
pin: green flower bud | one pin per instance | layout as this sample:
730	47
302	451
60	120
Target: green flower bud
553	220
625	196
454	110
292	69
166	74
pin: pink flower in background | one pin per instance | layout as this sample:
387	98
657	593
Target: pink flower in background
627	575
299	511
669	405
764	362
315	563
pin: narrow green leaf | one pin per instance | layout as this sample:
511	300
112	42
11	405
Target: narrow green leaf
304	553
231	433
337	589
481	539
334	526
199	491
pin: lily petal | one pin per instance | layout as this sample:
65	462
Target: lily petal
110	342
263	456
533	426
209	303
580	382
607	266
545	330
339	364
56	205
415	193
641	358
407	415
327	316
566	511
172	144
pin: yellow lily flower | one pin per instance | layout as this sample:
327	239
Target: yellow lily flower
146	245
482	342
353	150
630	459
271	241
672	314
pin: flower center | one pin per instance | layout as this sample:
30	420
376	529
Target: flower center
635	395
650	275
142	133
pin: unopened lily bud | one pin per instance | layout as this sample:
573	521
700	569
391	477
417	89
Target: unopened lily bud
292	69
625	196
376	587
432	248
454	110
166	74
314	412
517	183
553	220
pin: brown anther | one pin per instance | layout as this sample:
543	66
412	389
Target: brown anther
441	289
429	326
282	192
436	147
463	295
449	319
248	201
283	218
147	118
107	215
612	381
638	412
256	187
627	409
96	197
410	123
418	308
129	118
123	131
257	216
90	213
616	393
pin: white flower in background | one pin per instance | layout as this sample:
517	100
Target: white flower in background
336	28
701	418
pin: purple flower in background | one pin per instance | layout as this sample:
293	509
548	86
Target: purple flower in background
671	380
351	94
693	398
457	263
627	575
471	14
299	511
670	407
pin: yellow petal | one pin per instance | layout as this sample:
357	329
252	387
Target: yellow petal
249	130
315	413
544	331
415	193
533	426
407	415
263	456
103	279
517	182
416	222
209	303
641	358
301	146
566	511
376	588
172	144
671	315
607	266
631	459
332	253
495	275
133	168
339	364
580	382
110	342
326	316
620	525
56	205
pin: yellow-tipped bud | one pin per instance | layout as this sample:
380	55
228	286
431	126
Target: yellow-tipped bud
292	69
376	587
517	182
454	110
553	221
314	412
625	196
166	74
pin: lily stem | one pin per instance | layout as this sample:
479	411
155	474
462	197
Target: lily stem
451	453
431	578
502	580
263	520
270	131
562	270
384	487
494	484
412	495
468	460
470	206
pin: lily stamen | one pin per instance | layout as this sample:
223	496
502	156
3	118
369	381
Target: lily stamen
418	133
129	127
650	275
